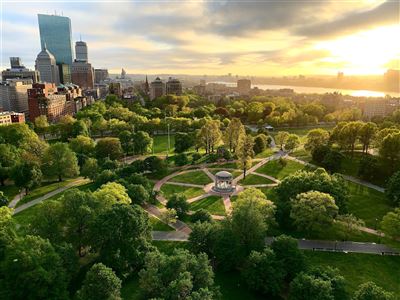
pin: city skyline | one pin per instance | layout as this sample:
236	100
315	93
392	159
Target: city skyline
260	38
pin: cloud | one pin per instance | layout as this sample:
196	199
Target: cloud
384	14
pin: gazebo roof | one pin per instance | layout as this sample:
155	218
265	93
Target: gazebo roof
223	175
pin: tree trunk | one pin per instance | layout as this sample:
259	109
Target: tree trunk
244	173
59	178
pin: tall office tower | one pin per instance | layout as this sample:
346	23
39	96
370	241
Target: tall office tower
19	71
65	73
14	95
174	86
81	51
100	75
55	33
47	67
157	88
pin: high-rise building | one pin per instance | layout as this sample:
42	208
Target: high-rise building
82	74
65	73
243	86
19	71
100	75
55	34
157	88
81	51
47	67
173	86
14	95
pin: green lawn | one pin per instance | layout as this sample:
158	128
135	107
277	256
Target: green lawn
158	225
44	189
266	153
270	193
213	204
160	143
10	191
275	169
360	268
196	177
254	179
190	192
235	173
367	204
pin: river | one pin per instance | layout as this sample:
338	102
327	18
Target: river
318	90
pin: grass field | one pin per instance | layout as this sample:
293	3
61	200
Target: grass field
189	192
197	177
160	144
235	173
266	153
213	204
275	169
254	179
367	204
44	189
158	225
10	191
360	268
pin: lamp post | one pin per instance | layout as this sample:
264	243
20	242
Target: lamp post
168	140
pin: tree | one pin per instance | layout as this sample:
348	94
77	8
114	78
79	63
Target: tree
307	287
8	159
292	142
47	222
108	147
100	283
210	135
392	190
251	215
369	168
7	230
60	161
201	216
181	159
390	148
183	142
264	273
83	146
180	276
78	210
79	128
179	203
281	138
350	224
313	211
112	193
122	236
366	134
260	143
370	291
41	125
3	199
155	165
26	175
142	142
233	133
90	168
288	253
65	127
202	238
316	138
332	161
245	153
168	216
391	224
125	137
34	270
138	194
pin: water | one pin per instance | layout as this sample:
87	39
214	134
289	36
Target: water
319	90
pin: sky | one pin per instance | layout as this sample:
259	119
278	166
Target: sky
253	37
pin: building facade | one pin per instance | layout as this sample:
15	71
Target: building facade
65	73
56	36
18	71
173	86
82	74
14	95
157	88
81	51
46	65
100	75
10	117
243	86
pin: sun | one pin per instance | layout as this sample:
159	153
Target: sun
367	52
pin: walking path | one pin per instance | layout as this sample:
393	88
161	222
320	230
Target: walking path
198	198
185	184
208	173
178	225
315	245
78	181
227	203
267	176
16	199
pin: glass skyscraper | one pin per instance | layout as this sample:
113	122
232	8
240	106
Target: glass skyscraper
55	32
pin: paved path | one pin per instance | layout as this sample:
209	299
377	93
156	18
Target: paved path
208	173
16	199
267	176
185	184
179	225
78	181
198	198
227	203
315	245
